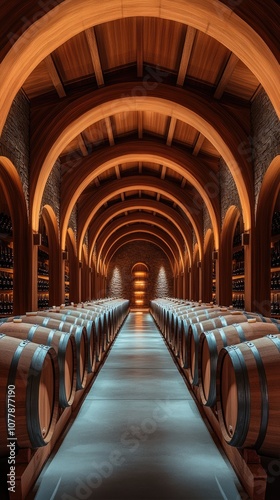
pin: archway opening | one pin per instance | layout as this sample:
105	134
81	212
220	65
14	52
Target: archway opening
140	275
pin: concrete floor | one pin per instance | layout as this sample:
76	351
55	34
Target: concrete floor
138	434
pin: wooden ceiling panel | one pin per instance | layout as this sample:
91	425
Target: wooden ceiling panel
174	176
243	83
39	82
72	59
72	146
124	123
116	42
155	123
96	134
163	43
207	58
208	148
184	133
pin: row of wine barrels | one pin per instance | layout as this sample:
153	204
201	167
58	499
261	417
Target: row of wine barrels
248	402
64	346
221	320
44	361
212	342
28	393
235	358
80	337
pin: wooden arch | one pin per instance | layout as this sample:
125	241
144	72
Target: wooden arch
139	182
49	218
225	255
142	229
212	121
12	188
150	221
70	18
127	238
169	213
267	198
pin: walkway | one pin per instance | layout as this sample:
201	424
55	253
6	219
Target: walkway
138	434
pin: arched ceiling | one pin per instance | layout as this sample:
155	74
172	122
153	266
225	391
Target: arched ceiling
139	102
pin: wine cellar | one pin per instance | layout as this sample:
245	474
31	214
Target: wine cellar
140	250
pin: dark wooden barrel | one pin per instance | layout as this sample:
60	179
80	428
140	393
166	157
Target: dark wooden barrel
211	343
80	335
28	393
248	402
65	348
82	321
195	330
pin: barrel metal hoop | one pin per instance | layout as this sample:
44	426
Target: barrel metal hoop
223	336
275	340
34	378
11	379
243	395
240	331
223	320
45	321
276	322
264	395
31	332
2	335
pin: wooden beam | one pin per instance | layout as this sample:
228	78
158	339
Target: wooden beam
198	144
171	130
140	193
122	196
140	124
158	196
109	130
94	53
82	145
163	172
97	183
139	45
140	167
232	62
183	183
118	173
186	54
51	68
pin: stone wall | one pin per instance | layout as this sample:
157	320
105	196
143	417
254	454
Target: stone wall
265	137
14	142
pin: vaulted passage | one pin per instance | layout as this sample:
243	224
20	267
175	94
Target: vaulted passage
138	433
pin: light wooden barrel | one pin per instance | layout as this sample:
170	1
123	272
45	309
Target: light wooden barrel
28	393
195	330
77	320
192	318
80	335
65	348
98	325
248	402
211	343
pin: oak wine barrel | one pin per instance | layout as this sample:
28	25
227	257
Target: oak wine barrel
65	348
80	335
195	330
28	393
211	343
77	320
248	403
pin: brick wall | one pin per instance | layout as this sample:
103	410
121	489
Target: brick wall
228	191
265	137
120	279
51	194
14	142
